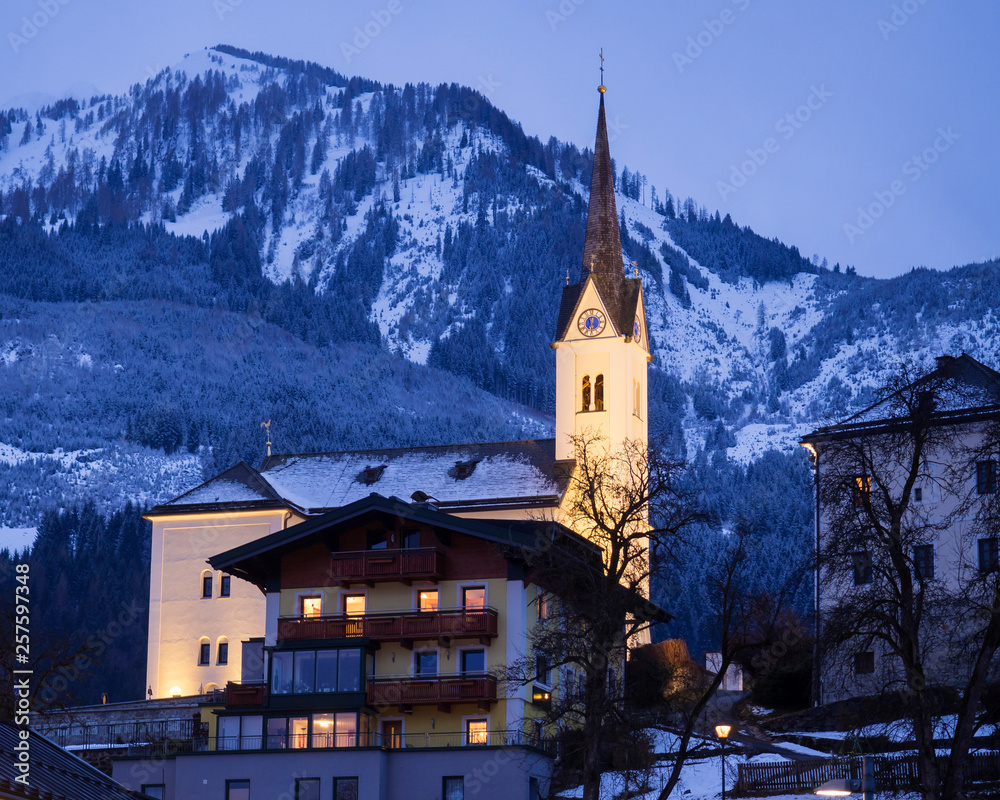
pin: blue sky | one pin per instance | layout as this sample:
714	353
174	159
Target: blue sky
864	131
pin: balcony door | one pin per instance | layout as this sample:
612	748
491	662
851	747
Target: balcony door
392	733
354	605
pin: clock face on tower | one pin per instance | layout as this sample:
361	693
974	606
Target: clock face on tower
637	330
591	322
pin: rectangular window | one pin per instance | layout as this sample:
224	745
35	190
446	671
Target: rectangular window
229	733
298	732
473	661
923	561
204	654
411	538
476	731
224	585
542	606
347	729
281	672
862	565
154	790
345	789
250	732
918	495
307	789
310	606
237	790
223	653
473	597
989	555
323	730
349	671
206	586
305	671
864	663
326	671
277	733
375	540
862	490
453	788
427	600
354	605
425	663
986	477
542	670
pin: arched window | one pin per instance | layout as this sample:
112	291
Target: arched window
206	584
599	393
585	406
222	651
204	651
637	402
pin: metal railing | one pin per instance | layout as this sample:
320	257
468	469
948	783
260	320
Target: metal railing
394	625
118	733
388	741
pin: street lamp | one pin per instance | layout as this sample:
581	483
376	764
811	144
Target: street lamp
722	731
842	787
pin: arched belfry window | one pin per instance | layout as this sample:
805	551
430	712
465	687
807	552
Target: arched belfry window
599	393
585	404
637	402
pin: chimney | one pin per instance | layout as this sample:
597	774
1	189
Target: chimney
944	361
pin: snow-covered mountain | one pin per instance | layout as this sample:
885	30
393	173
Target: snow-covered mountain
413	232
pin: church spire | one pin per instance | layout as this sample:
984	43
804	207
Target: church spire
602	250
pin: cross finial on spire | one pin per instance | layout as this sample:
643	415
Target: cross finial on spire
602	88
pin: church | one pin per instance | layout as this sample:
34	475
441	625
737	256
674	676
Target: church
358	601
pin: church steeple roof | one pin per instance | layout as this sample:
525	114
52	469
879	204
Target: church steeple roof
602	250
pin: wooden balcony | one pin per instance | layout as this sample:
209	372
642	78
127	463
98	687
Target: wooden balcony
380	566
442	690
245	694
405	627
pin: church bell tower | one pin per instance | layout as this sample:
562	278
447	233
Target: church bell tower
602	343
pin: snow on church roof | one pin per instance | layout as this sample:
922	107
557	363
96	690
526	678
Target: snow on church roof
455	475
496	474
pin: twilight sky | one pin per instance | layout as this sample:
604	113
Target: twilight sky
865	131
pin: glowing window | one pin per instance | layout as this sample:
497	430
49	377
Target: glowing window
427	600
477	731
586	394
599	393
310	606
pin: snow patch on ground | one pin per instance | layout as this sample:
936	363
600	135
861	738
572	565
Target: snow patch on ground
753	440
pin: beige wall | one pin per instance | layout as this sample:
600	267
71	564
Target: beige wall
179	618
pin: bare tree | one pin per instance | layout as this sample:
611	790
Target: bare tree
598	592
892	498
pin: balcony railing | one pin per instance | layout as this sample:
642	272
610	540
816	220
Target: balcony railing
374	566
202	744
407	690
401	626
245	694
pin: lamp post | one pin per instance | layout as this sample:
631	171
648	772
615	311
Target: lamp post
722	731
842	787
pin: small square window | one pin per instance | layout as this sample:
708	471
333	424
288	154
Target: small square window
307	789
864	663
473	661
477	731
224	585
425	663
154	790
411	538
345	789
311	606
473	597
427	600
204	653
206	586
453	788
223	653
237	790
375	540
